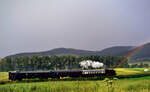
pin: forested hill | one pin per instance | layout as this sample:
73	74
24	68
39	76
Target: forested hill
113	51
142	55
139	55
117	51
57	51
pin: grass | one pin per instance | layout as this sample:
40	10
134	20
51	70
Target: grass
3	76
131	72
141	84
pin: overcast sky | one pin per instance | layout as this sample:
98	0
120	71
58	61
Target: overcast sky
39	25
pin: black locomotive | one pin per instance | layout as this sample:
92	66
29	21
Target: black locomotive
19	75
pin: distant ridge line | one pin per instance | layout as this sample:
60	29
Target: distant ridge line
112	51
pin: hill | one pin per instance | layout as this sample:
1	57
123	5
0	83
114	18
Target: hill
141	55
113	51
117	51
57	51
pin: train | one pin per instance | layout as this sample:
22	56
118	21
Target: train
19	75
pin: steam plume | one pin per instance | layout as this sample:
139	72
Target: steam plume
90	63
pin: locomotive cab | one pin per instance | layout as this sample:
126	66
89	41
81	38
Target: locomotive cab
110	72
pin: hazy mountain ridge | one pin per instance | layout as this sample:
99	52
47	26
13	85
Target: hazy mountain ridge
112	51
57	51
117	50
144	52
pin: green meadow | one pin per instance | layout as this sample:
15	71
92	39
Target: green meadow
129	84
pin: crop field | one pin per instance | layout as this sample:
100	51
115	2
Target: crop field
130	71
139	84
3	76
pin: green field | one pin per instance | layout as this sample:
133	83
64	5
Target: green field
141	84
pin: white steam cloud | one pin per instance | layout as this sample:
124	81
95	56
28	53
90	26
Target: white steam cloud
90	63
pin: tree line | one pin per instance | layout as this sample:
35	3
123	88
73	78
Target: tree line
35	63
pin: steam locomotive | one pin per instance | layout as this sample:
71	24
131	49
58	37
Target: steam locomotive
19	75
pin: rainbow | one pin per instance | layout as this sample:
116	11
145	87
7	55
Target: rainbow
130	54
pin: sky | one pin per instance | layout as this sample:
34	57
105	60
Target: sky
40	25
